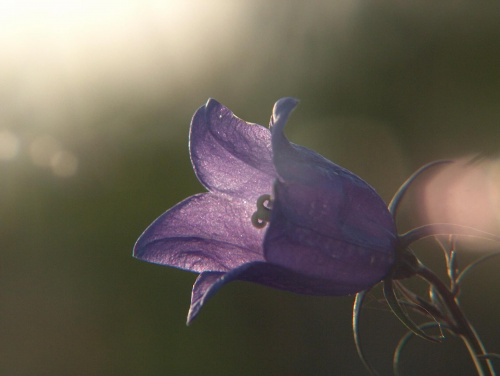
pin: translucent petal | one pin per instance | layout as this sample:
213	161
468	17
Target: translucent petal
263	273
326	222
299	164
201	292
205	232
230	155
341	232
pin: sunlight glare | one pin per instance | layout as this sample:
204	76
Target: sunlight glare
466	193
64	163
43	149
9	145
61	61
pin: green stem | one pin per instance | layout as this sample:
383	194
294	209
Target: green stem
462	326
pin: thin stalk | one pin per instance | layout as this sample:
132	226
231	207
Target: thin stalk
461	325
434	229
356	312
396	200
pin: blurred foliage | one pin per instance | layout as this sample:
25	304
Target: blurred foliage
384	88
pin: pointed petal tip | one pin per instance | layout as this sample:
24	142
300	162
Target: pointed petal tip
191	316
194	310
137	251
211	108
211	102
209	105
138	254
287	100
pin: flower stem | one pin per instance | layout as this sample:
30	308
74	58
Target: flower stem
461	324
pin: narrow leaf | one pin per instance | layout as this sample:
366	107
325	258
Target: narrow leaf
393	205
404	340
474	264
358	303
396	308
443	229
489	356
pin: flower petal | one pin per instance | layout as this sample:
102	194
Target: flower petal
230	155
205	232
326	222
342	232
202	290
297	163
270	275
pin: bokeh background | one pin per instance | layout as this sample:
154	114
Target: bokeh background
95	103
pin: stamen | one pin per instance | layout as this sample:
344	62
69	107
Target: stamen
263	214
257	222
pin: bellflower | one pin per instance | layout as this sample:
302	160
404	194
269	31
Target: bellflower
275	213
283	216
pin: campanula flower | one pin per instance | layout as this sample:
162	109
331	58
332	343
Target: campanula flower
275	213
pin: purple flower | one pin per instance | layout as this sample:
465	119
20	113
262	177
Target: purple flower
275	213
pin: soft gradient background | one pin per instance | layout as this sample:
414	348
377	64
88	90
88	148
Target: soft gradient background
95	103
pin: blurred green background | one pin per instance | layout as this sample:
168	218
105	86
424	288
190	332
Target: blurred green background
95	104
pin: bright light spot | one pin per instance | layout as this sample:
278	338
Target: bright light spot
57	56
467	194
9	145
64	163
43	149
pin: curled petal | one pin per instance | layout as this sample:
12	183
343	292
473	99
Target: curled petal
263	273
230	155
294	162
202	290
205	232
299	164
281	112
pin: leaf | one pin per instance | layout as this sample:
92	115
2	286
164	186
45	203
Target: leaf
421	305
358	303
489	356
443	229
404	340
393	205
450	253
396	308
474	264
